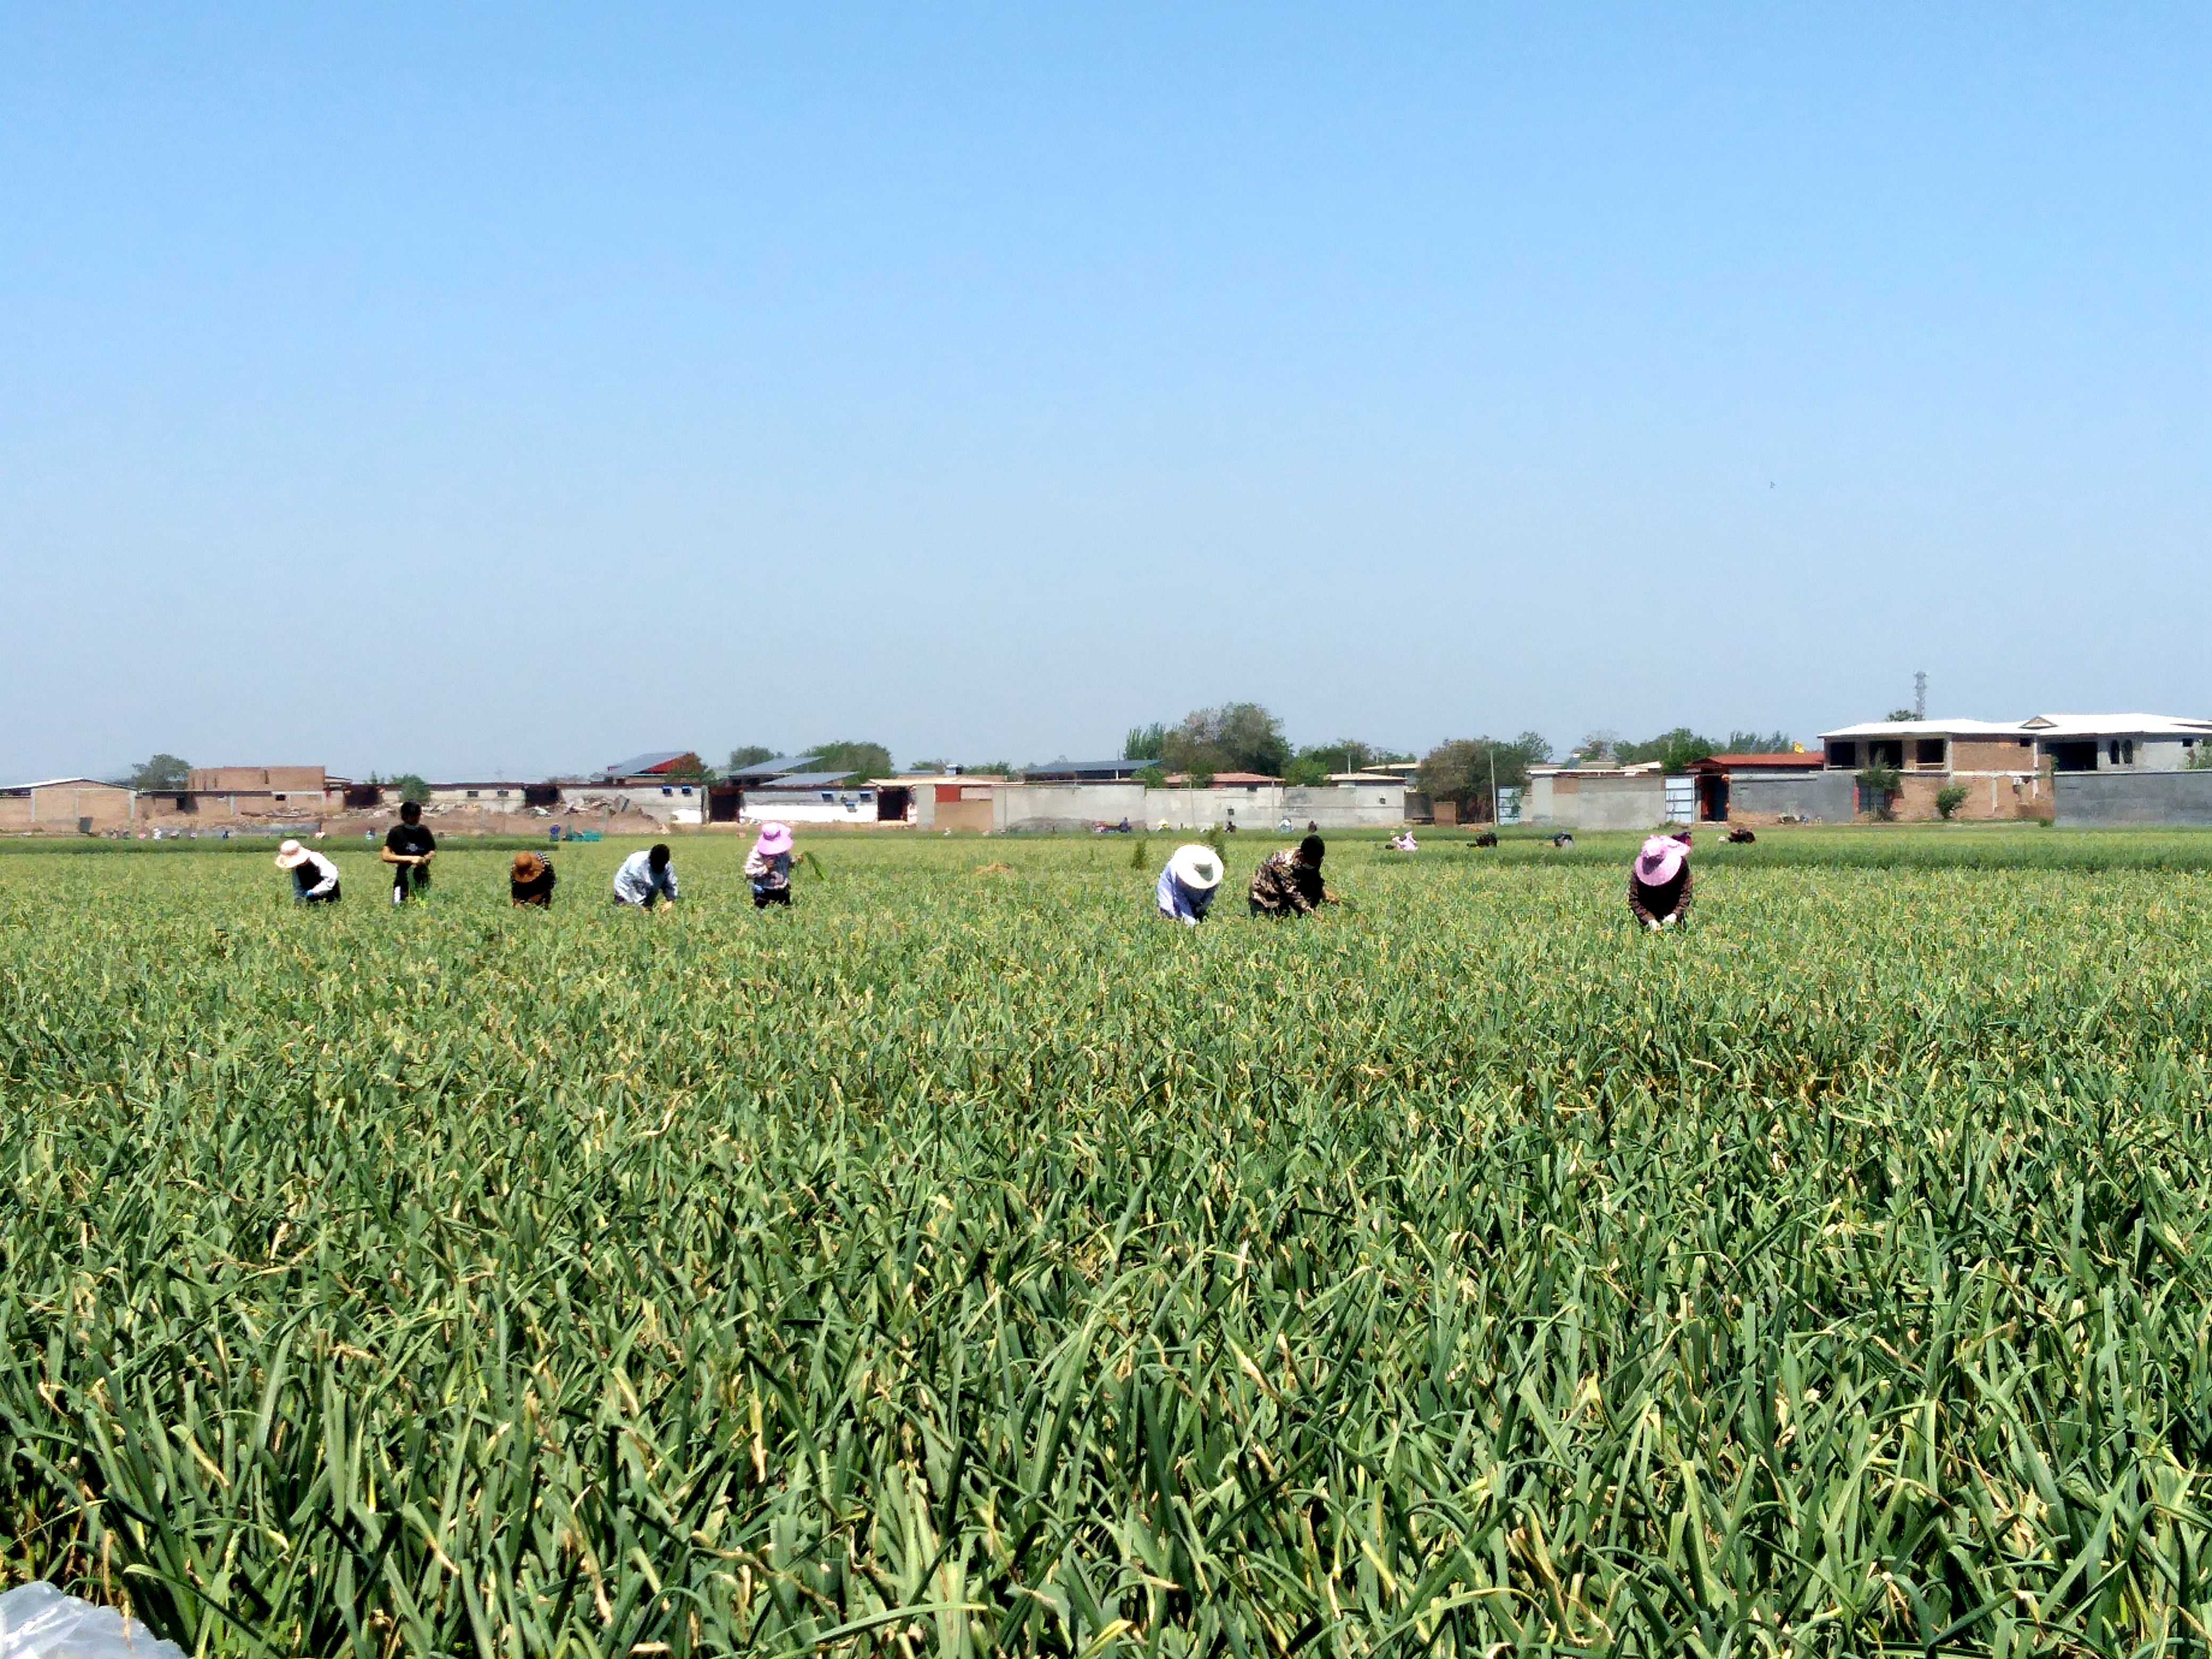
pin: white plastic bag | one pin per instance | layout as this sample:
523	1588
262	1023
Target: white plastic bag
37	1621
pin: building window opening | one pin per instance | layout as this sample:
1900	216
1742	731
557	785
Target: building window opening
2073	757
472	794
1843	753
2114	751
1887	751
2127	751
1927	751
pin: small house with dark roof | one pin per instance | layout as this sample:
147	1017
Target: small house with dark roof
824	798
1768	785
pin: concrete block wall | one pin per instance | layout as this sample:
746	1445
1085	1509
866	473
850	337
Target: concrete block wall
1628	800
2086	800
1038	807
1808	798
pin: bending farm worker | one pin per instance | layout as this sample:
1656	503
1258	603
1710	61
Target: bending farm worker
530	881
314	878
645	876
1289	883
1659	883
767	866
408	849
1188	882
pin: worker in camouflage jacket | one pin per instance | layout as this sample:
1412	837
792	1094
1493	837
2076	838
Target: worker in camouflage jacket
1289	883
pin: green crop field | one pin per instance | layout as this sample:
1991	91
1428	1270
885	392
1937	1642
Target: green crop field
965	1260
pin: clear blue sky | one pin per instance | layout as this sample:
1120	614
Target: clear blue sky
470	391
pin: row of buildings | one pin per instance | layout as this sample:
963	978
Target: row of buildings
2068	768
674	789
2071	769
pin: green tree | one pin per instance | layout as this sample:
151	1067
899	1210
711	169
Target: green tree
1153	777
162	772
1144	743
1674	750
411	786
751	754
1758	743
1949	798
690	769
1347	754
1902	714
1878	786
1460	769
851	760
1237	737
1307	771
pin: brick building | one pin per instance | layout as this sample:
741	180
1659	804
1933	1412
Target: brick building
67	806
1995	761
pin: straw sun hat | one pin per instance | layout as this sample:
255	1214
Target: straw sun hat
291	855
1196	865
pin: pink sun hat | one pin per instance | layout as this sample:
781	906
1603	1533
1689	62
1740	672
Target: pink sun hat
1659	861
773	838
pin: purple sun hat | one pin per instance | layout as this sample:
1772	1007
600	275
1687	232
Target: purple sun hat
1659	861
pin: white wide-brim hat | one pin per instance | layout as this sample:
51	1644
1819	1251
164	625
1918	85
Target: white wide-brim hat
291	855
1196	865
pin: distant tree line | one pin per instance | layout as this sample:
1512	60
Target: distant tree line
1243	736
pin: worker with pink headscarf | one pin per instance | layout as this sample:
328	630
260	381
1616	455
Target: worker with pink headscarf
1659	883
767	866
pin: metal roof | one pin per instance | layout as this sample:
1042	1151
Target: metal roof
1077	768
805	780
81	783
1956	728
1780	760
2119	725
2038	725
645	765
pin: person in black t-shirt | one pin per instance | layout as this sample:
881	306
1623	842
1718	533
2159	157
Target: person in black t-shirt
408	849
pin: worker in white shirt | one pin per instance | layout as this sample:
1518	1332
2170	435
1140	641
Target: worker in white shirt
645	877
314	878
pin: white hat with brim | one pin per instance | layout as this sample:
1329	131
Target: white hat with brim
1196	865
291	855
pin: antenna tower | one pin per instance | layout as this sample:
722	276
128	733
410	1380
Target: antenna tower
1920	696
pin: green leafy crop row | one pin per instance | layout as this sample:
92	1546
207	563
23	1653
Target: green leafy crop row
965	1260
